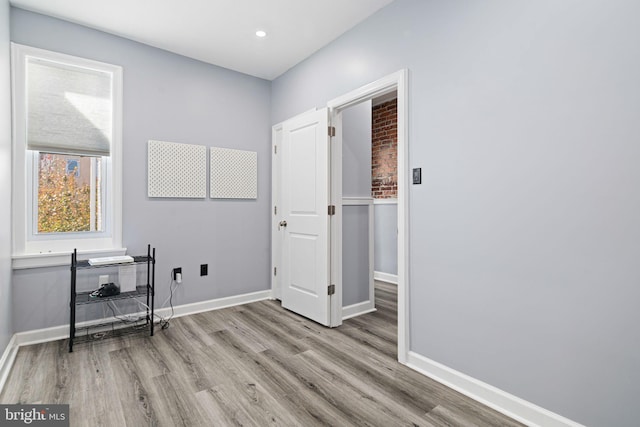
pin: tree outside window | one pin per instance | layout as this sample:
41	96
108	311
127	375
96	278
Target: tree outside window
68	193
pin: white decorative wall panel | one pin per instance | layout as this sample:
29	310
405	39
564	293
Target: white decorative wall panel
177	170
234	174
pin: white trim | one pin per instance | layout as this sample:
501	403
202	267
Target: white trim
382	99
372	90
215	304
6	362
403	216
397	82
53	333
20	262
372	282
385	277
503	402
62	332
357	201
358	309
385	201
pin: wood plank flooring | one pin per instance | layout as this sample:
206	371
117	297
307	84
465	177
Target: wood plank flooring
252	365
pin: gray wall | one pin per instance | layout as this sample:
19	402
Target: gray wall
356	182
355	254
356	151
524	234
385	232
5	179
171	98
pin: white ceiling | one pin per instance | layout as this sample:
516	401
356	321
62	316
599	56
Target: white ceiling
220	32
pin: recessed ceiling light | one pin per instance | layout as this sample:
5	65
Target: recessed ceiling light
261	33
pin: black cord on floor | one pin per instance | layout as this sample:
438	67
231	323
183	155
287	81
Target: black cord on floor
123	319
164	323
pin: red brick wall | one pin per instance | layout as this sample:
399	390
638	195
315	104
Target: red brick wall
384	152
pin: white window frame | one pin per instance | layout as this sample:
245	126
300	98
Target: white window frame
41	250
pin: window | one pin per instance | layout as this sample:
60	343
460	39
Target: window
67	156
69	196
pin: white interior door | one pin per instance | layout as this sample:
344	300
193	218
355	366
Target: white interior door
276	233
305	220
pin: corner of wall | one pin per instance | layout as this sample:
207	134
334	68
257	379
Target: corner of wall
6	361
6	328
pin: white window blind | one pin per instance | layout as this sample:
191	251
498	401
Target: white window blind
69	108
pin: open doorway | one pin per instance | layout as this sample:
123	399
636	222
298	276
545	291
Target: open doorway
384	190
308	131
386	89
369	202
384	186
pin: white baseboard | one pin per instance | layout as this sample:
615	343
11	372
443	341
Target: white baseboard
62	331
358	309
6	362
508	404
215	304
385	277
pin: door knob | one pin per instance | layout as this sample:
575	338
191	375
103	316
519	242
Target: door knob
283	223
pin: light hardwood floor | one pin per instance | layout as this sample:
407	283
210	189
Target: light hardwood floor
252	365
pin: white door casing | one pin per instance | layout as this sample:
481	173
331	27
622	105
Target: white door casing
304	199
397	82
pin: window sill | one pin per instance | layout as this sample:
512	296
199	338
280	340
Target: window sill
55	259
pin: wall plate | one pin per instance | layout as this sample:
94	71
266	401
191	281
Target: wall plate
417	175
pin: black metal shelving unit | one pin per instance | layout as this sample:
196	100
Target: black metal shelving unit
146	290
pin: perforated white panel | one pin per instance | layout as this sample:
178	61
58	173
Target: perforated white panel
177	170
234	174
